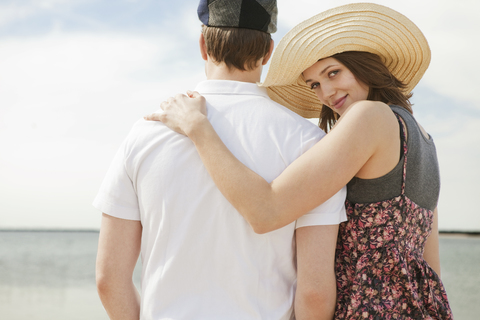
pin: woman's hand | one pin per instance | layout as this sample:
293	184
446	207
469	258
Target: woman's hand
182	113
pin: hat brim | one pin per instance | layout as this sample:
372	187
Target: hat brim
354	27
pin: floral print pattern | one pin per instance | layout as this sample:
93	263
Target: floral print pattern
380	270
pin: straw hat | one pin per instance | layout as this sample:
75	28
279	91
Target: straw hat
353	27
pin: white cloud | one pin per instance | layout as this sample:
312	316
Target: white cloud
60	70
12	11
459	156
9	13
67	101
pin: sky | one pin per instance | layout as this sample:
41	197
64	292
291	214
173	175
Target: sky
76	74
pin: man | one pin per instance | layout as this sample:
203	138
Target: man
201	259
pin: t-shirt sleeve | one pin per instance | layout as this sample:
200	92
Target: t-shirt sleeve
117	196
330	212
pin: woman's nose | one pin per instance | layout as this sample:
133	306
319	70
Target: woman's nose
328	91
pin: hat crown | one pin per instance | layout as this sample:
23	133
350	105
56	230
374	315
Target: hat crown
249	14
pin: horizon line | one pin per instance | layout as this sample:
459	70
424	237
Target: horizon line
451	232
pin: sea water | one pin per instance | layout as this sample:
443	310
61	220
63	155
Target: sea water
51	275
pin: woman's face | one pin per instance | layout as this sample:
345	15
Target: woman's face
334	84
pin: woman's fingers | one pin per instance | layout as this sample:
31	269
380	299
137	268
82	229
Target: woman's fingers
193	94
163	105
153	117
199	104
182	112
170	120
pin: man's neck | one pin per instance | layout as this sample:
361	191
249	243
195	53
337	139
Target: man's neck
221	72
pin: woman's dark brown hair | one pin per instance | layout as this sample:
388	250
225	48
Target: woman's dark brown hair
369	69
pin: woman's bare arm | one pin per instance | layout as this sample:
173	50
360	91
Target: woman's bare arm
305	184
431	252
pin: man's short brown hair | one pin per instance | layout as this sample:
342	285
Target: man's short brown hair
237	47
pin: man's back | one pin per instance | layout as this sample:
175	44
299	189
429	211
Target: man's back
201	259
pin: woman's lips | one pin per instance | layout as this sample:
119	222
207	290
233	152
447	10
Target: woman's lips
339	103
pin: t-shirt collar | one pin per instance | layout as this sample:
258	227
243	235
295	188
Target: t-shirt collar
230	87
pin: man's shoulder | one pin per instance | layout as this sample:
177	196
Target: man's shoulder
295	116
144	134
147	127
291	118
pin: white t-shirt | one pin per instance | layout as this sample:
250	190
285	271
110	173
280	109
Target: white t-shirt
201	259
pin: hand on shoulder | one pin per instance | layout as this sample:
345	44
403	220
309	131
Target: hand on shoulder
182	113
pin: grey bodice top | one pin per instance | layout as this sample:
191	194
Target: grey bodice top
422	179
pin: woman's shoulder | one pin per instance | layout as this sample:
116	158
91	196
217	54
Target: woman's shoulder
375	123
373	114
367	108
371	122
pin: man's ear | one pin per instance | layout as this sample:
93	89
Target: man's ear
203	47
269	54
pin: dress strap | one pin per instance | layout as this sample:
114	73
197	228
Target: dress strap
405	149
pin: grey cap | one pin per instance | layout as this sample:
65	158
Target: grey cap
249	14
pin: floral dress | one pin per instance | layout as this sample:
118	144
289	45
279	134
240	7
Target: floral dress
380	270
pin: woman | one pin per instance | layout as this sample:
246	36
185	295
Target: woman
357	64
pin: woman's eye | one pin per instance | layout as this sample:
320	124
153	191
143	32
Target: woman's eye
314	85
332	73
